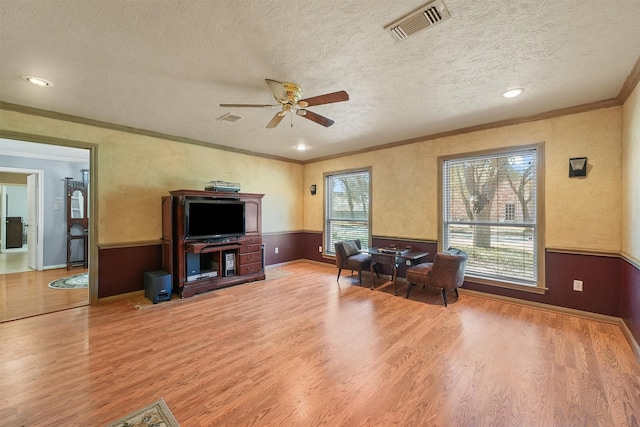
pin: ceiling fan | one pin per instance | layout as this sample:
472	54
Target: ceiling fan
288	96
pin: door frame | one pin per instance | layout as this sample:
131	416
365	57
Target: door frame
39	210
93	196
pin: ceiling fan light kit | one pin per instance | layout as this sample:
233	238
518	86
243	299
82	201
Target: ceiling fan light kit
288	96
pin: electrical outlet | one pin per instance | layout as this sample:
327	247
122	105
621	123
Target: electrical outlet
577	285
320	249
407	262
276	250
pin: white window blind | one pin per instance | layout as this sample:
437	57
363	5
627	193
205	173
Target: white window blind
489	205
347	213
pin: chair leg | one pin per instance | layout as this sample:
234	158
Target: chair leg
360	276
456	291
444	296
409	289
373	268
339	270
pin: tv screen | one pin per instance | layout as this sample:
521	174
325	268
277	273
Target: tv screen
212	219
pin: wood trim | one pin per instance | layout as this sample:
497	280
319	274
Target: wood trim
630	83
43	139
543	306
119	245
404	239
295	261
630	338
571	251
120	128
306	231
630	259
592	106
279	233
119	297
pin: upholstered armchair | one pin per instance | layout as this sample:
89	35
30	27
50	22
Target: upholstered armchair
445	272
348	256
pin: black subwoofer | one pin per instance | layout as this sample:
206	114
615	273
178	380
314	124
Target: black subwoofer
157	286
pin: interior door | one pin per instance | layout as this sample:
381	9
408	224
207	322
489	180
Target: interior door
32	221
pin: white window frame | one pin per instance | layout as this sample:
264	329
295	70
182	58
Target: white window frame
329	238
535	284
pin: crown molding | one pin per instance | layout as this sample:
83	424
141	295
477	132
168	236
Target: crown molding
630	83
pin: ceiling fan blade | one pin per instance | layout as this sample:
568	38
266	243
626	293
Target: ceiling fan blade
278	90
327	98
276	120
321	120
248	105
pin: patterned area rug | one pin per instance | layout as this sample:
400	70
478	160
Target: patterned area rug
72	282
155	415
140	302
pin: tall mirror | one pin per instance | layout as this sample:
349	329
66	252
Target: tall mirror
77	204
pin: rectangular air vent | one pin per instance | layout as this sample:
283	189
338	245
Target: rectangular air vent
230	118
424	17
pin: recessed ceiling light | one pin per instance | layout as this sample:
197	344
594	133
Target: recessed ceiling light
301	147
38	81
512	93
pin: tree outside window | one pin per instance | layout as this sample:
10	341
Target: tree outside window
489	210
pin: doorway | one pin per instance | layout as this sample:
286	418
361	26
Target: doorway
21	212
39	170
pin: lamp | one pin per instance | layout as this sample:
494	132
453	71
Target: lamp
312	189
577	166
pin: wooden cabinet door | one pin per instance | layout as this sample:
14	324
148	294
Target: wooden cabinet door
252	217
14	232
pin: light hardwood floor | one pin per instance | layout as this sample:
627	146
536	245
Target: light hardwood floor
305	350
14	261
24	292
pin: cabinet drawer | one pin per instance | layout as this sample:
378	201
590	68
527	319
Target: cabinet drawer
250	240
250	258
250	248
249	268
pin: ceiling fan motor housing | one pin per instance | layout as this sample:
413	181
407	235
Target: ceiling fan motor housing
294	93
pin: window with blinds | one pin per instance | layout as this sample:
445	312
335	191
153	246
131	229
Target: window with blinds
490	210
347	214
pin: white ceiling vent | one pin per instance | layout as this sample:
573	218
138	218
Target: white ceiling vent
424	17
230	118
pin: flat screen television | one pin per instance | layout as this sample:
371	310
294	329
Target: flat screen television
214	219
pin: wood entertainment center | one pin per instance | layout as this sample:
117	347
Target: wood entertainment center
212	256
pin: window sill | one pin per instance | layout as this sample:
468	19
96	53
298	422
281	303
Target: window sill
541	290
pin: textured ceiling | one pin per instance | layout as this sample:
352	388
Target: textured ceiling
164	66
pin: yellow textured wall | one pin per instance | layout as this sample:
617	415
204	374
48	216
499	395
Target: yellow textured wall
631	175
579	213
134	172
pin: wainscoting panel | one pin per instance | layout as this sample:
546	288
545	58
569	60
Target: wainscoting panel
292	246
121	269
630	298
601	290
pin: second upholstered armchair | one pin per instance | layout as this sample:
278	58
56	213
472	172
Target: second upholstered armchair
445	272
